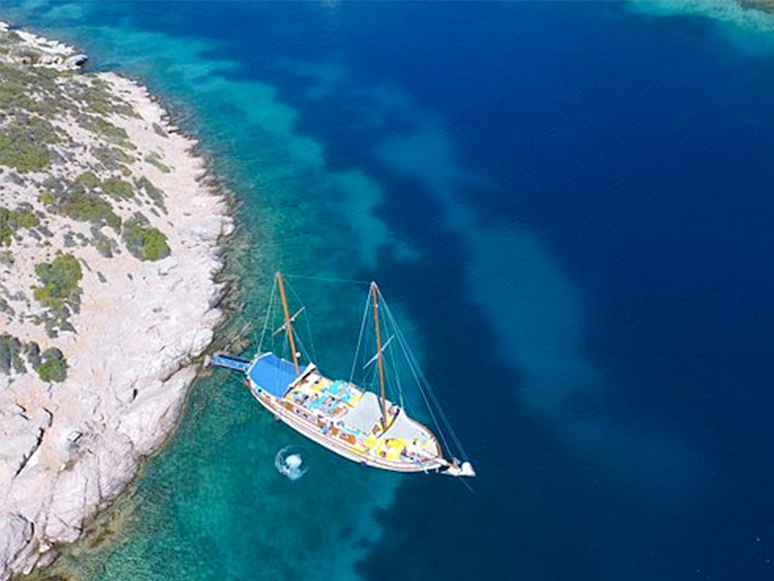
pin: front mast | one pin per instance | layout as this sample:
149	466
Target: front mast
288	326
375	293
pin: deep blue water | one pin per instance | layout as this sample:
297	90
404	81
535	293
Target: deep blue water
571	204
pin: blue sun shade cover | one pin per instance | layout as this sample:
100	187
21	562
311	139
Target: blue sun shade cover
274	375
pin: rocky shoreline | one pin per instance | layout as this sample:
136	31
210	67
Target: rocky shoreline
110	241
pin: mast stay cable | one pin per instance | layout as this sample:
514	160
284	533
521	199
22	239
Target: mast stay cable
360	337
437	414
424	384
327	279
269	312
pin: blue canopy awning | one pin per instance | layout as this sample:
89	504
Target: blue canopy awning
273	374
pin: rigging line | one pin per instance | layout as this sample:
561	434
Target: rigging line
311	337
413	369
254	338
429	388
302	348
306	320
469	487
268	314
413	363
360	336
424	396
396	388
397	377
382	350
327	279
441	412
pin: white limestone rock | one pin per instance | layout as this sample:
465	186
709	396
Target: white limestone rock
75	61
15	535
68	449
20	436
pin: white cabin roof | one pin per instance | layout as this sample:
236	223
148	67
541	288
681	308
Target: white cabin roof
404	428
365	414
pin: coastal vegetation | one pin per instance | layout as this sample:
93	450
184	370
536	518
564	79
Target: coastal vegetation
24	144
51	365
81	199
144	241
12	220
79	202
79	213
113	133
159	130
117	188
10	355
60	283
154	159
155	194
111	158
105	245
101	101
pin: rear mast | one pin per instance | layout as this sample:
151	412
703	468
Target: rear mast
380	361
288	325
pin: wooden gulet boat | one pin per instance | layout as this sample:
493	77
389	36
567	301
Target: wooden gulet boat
346	419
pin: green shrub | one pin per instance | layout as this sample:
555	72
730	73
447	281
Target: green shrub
87	207
89	180
12	92
12	220
104	244
81	199
60	283
101	107
154	159
23	144
53	366
46	198
104	128
152	191
10	37
23	156
159	130
32	350
144	241
111	157
118	188
10	349
26	219
6	227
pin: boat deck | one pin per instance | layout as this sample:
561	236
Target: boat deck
327	403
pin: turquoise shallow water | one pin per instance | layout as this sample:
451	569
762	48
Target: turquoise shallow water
569	206
212	504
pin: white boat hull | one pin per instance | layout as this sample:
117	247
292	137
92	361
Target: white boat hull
311	431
